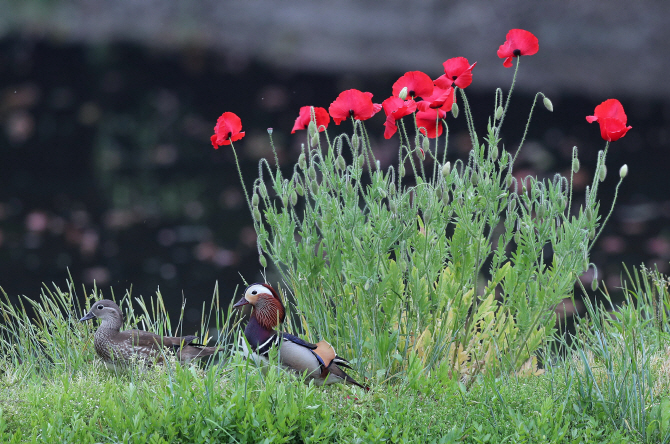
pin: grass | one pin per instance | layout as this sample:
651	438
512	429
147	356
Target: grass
609	386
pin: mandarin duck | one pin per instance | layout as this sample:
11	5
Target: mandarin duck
119	348
319	361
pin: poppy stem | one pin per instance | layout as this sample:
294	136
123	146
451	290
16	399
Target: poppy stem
244	187
525	131
602	227
509	95
469	120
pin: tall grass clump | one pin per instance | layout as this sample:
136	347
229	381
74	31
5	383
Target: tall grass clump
44	333
622	361
424	266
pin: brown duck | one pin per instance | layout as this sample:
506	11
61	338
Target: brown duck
116	347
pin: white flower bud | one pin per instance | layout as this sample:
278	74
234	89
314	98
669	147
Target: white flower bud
623	172
499	113
548	104
446	169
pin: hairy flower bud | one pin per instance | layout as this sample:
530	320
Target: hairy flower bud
493	152
474	178
425	144
623	171
499	113
603	173
263	190
294	198
391	189
257	214
312	173
355	142
314	186
299	189
311	128
454	110
446	169
575	165
401	171
263	261
361	160
594	284
340	163
315	139
302	162
403	93
548	104
445	198
255	200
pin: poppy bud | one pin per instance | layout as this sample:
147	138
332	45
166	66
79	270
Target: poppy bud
425	144
270	131
512	205
391	188
548	104
426	216
517	237
594	284
315	139
263	190
257	214
445	198
592	233
312	173
393	207
589	214
301	162
299	189
454	110
311	128
318	223
355	142
255	200
446	169
493	152
499	113
314	186
422	153
575	165
508	181
340	164
263	261
284	200
403	93
541	211
401	171
623	172
474	178
294	198
438	192
361	160
603	173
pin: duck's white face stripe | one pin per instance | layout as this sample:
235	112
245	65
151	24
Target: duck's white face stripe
254	291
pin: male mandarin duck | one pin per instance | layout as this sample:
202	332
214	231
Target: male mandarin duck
319	360
117	347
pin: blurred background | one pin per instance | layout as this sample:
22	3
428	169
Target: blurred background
107	173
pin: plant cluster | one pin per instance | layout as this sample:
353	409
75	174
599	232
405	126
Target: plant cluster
425	266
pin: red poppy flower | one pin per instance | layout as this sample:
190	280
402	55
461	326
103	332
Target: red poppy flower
519	42
354	103
321	115
418	84
228	129
441	98
428	124
395	109
612	119
458	72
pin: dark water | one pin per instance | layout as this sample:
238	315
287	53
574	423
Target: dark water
107	172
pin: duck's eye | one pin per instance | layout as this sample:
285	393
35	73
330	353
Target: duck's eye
254	292
100	307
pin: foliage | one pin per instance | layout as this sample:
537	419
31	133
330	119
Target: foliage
445	269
